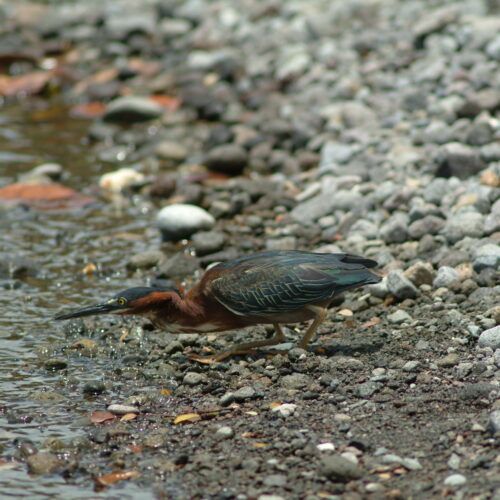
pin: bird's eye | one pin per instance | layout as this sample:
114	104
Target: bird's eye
121	301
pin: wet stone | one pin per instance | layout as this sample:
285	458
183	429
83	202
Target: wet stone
94	387
43	463
339	469
207	242
229	159
132	109
179	266
55	364
119	409
146	260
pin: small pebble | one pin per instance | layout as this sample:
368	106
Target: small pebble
455	480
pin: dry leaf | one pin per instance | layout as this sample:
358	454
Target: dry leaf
114	477
135	448
275	404
248	434
128	416
345	312
165	392
187	418
253	413
372	322
100	416
259	445
90	268
165	101
29	84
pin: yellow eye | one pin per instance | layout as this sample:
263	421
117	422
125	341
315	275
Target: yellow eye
121	301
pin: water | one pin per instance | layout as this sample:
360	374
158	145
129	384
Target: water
60	243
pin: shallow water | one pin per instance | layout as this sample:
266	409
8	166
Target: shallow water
61	244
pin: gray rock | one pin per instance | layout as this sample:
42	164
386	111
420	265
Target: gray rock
493	48
296	381
494	422
245	393
335	153
146	260
43	463
496	358
411	366
367	389
456	159
490	338
398	317
206	242
449	360
224	432
356	114
436	190
438	132
460	225
293	65
430	224
313	209
400	286
395	229
181	220
486	256
445	276
132	109
178	266
479	134
230	159
364	228
455	480
170	150
94	387
119	409
339	469
193	378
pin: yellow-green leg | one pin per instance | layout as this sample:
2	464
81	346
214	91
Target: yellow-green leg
320	313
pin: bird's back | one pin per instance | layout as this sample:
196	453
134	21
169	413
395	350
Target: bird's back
275	282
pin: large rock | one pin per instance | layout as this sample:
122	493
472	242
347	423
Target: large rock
456	159
181	220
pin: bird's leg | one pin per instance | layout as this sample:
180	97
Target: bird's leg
320	313
277	338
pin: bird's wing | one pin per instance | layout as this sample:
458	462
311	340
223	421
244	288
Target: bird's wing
265	290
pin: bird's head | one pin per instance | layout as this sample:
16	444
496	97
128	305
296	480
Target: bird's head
137	300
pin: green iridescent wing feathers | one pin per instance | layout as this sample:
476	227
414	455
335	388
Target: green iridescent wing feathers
284	281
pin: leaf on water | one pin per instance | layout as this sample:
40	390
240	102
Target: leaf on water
128	416
372	322
100	416
88	110
187	418
114	477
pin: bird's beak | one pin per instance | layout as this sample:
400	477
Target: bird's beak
109	306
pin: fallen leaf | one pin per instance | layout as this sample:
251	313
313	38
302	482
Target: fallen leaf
168	102
253	413
128	416
275	404
345	312
84	343
114	477
372	322
100	416
165	392
123	336
29	84
90	110
187	418
90	268
135	448
259	445
145	68
249	434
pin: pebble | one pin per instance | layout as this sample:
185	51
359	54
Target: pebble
458	160
43	463
181	220
455	480
398	317
296	381
121	179
458	226
207	242
486	256
119	409
400	286
445	276
171	151
395	229
285	409
132	109
449	360
411	366
244	393
229	159
493	425
490	338
339	469
94	387
146	260
367	389
224	432
420	273
193	378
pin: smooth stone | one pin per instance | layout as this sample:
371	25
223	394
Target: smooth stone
296	381
493	425
170	150
430	224
420	273
193	378
490	338
230	159
132	109
458	160
224	432
43	463
146	259
455	480
398	317
207	242
395	229
244	393
285	409
119	409
181	220
458	226
178	266
367	389
339	469
486	256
